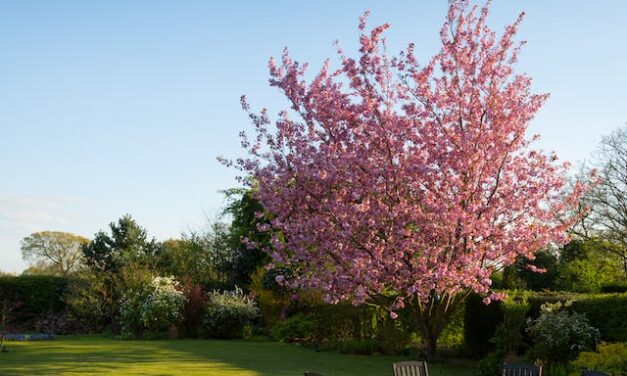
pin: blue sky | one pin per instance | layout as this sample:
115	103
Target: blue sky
114	107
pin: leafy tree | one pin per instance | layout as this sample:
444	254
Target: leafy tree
606	221
537	274
118	259
586	267
53	252
405	185
126	243
245	239
200	255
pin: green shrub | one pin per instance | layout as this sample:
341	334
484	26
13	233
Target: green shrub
86	300
228	313
559	336
298	328
480	322
609	357
490	365
508	336
151	308
609	288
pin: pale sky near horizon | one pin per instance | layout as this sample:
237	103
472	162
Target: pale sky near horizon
114	107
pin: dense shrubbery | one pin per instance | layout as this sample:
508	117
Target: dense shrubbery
609	357
36	295
228	313
606	313
559	335
297	328
152	308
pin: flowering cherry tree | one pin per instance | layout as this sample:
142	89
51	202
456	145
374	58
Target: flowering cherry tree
406	185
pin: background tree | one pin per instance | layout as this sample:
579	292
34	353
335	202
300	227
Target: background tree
245	240
121	259
199	255
523	273
54	252
405	185
126	243
606	222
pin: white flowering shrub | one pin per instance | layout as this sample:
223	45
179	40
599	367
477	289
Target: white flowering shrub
153	307
559	336
228	313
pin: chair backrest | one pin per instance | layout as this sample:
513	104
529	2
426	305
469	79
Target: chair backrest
593	373
521	370
411	368
312	374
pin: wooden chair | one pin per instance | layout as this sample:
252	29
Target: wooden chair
411	368
312	374
521	370
593	373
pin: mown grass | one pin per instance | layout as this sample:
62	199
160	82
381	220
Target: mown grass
95	355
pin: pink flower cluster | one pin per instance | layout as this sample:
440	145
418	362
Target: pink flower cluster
386	177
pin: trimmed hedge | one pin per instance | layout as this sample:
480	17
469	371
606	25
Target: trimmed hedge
35	294
606	312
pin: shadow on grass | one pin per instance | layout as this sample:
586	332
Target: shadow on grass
92	355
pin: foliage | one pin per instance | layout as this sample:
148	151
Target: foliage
609	357
152	307
480	323
586	267
604	223
246	258
384	157
36	294
162	308
559	336
606	313
614	288
273	300
508	337
87	300
199	255
228	313
194	308
297	328
126	243
491	364
53	251
523	273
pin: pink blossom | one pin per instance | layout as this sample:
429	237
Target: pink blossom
390	176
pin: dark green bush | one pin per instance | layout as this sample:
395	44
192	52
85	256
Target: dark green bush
609	357
606	313
480	322
609	288
298	328
37	294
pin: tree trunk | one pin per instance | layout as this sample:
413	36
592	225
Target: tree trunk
431	318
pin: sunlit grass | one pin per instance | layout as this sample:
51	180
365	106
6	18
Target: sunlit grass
93	355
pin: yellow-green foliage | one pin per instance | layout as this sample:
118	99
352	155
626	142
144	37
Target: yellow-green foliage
609	357
270	303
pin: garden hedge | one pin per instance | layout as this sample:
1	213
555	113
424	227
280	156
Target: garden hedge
606	312
35	294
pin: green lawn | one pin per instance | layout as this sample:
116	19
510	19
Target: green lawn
92	355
